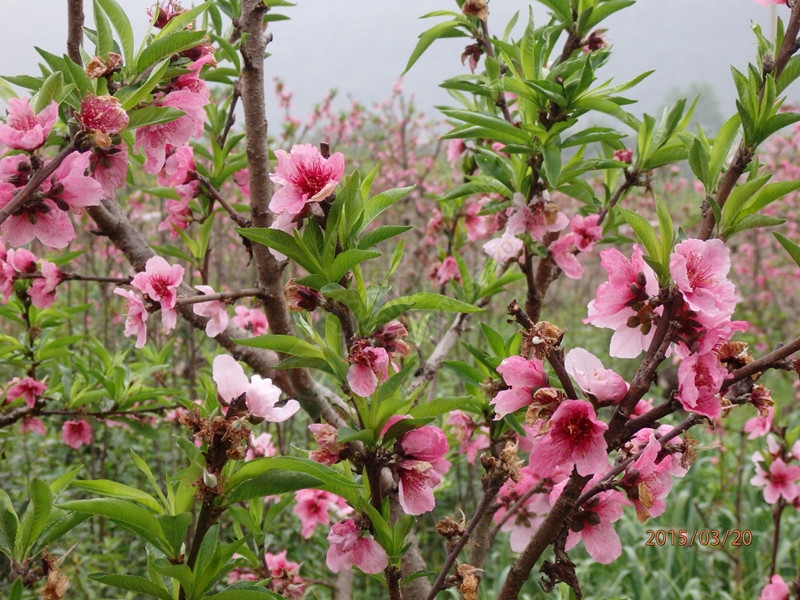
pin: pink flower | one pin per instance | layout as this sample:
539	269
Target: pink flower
700	270
349	546
593	526
575	437
178	167
625	155
648	482
587	370
215	310
446	271
160	282
421	468
464	430
43	289
179	214
563	252
32	425
260	446
285	576
313	507
455	148
136	319
28	388
305	176
779	481
109	168
537	218
524	376
505	248
330	449
625	294
103	116
261	396
759	426
476	225
767	3
776	589
700	377
369	365
253	319
586	231
155	138
526	517
76	433
23	130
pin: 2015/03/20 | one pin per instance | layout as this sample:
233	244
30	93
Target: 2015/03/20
702	537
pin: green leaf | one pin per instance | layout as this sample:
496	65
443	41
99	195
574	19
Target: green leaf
35	517
272	483
119	20
245	593
440	406
551	152
105	41
127	515
283	243
426	38
9	522
665	229
152	115
750	222
348	259
333	481
285	344
49	92
168	45
130	96
644	231
738	197
112	489
132	583
790	247
498	128
380	202
380	234
175	528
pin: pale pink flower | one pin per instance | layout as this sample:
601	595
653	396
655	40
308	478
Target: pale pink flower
22	260
260	446
136	318
455	148
700	270
700	377
155	138
32	425
350	546
464	430
776	589
179	214
575	437
630	283
43	290
28	389
759	426
528	516
215	310
505	248
76	433
524	376
23	130
368	367
586	369
779	481
537	219
329	450
305	176
261	395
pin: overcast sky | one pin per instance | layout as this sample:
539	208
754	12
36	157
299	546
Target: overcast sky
361	46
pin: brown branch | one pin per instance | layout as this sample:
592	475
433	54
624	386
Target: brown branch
214	193
765	362
234	295
75	18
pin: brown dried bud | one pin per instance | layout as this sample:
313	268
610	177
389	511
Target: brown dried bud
542	339
300	297
510	463
449	528
734	355
476	8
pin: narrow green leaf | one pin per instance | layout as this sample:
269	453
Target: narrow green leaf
644	231
112	489
272	483
168	45
750	222
739	196
285	344
426	38
790	247
551	152
348	259
665	230
380	202
132	95
152	115
35	517
119	20
9	522
440	406
105	41
132	583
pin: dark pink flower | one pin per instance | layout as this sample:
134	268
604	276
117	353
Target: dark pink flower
575	437
23	130
136	317
28	389
32	425
586	231
109	168
160	282
700	269
285	576
588	372
314	507
350	546
624	296
593	526
215	310
329	450
305	176
476	225
421	468
260	395
76	433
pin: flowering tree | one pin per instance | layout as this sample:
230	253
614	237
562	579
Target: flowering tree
323	401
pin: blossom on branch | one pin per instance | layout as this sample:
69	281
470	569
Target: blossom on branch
524	376
23	130
28	389
586	369
215	310
76	433
350	546
306	177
